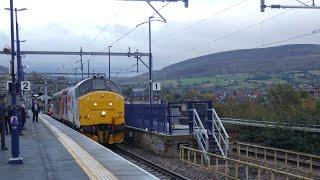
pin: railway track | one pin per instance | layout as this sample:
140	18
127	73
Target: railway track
156	170
149	166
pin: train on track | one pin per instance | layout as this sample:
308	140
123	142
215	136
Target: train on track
94	107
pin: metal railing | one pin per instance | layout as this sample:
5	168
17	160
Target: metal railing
139	116
270	124
301	163
200	133
220	134
232	168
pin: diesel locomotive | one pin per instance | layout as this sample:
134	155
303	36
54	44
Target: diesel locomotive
94	107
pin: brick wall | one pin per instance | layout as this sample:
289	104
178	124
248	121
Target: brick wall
164	145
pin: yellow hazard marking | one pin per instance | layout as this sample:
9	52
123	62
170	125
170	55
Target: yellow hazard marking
93	168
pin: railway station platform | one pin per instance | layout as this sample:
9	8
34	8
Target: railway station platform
51	150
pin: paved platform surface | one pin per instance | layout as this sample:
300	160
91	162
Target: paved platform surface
44	157
180	129
118	166
51	150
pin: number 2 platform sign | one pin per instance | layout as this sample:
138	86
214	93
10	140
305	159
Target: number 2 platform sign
25	85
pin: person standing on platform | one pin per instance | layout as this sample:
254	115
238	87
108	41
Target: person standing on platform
7	125
23	115
2	125
35	111
20	119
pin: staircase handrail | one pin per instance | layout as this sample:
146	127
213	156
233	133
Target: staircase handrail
202	141
199	120
224	135
220	134
220	123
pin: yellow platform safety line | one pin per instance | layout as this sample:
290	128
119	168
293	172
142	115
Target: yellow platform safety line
93	168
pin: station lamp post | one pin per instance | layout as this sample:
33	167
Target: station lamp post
15	131
186	3
19	63
150	54
150	62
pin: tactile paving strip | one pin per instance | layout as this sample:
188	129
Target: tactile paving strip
93	168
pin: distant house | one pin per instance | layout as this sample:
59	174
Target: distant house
313	91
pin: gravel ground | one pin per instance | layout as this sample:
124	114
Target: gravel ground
173	164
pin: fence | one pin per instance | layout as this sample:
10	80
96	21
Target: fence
302	163
142	116
161	118
232	168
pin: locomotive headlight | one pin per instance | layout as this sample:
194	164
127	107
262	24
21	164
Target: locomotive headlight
110	104
95	104
103	113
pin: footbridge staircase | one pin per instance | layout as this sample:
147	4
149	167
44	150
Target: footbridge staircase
208	130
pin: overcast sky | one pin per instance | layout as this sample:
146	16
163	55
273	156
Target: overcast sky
207	26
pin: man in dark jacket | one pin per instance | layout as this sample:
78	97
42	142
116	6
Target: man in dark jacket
2	125
23	116
35	111
7	123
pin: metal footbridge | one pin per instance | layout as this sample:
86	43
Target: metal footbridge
268	124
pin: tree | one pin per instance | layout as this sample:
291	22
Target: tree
285	102
207	96
192	95
127	92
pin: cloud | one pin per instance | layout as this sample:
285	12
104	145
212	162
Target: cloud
203	28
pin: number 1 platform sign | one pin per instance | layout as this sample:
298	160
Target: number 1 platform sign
156	86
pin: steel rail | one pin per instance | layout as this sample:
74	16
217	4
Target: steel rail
153	166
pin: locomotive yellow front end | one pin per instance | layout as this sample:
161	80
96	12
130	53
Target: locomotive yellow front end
101	115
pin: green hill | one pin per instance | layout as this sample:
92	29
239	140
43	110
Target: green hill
297	57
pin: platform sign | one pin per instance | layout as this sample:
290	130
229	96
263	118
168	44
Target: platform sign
25	85
3	87
156	86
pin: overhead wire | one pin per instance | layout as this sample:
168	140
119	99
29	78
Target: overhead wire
288	39
261	28
302	3
126	70
229	34
184	28
291	38
133	29
107	25
200	21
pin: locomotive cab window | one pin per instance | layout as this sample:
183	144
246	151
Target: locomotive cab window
85	87
99	84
